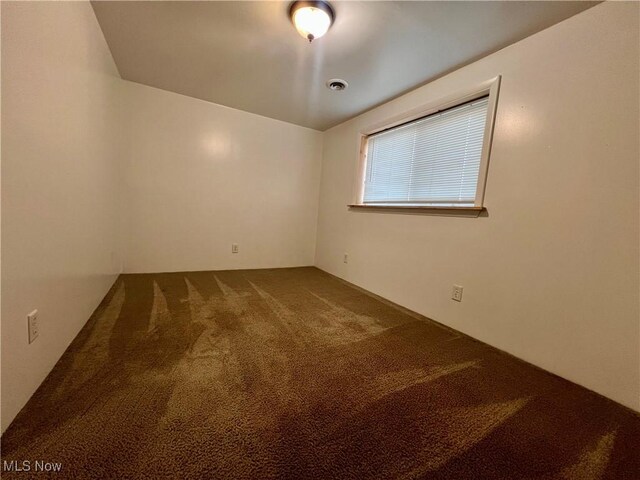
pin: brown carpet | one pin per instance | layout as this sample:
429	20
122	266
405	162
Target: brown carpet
293	374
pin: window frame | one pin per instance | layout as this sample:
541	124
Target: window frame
490	89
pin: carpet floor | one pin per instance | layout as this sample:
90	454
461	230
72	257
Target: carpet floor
294	374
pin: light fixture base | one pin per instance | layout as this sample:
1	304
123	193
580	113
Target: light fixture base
305	23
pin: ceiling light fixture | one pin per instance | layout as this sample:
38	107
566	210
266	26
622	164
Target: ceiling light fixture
312	19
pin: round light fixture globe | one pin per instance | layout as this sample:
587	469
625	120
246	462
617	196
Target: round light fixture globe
312	19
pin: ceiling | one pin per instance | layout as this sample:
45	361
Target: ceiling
248	56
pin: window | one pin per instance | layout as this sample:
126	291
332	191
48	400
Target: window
437	157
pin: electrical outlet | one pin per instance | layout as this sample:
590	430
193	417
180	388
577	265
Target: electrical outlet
234	248
456	293
32	321
345	258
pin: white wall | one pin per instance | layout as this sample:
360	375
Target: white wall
61	125
202	176
552	274
99	173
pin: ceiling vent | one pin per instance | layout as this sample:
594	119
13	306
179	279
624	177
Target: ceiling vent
337	84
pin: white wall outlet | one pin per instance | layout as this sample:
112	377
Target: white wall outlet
345	258
32	321
234	248
456	293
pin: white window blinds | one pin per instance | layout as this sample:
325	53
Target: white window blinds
432	160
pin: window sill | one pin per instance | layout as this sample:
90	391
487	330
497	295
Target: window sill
421	210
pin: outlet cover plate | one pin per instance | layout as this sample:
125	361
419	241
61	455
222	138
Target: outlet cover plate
456	293
32	320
